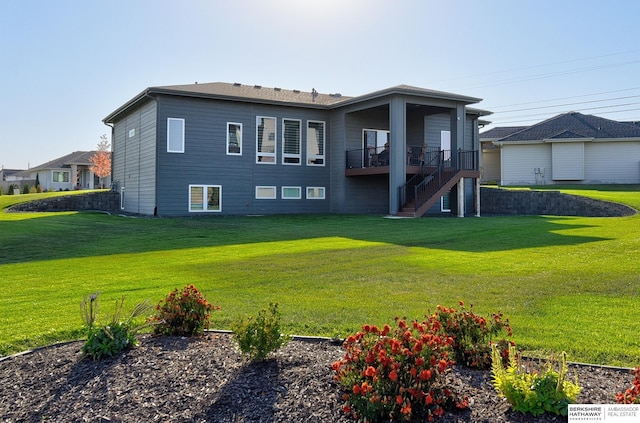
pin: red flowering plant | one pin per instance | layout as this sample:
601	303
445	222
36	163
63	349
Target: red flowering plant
183	312
631	395
473	335
396	374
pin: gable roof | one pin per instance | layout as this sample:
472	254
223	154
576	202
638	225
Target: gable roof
266	95
574	125
77	158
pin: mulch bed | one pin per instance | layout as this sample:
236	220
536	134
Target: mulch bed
205	379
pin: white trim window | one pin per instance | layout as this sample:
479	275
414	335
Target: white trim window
291	193
265	192
234	139
175	135
60	176
291	141
315	143
445	202
315	193
205	198
265	140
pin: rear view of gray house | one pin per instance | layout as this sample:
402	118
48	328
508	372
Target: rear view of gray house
236	149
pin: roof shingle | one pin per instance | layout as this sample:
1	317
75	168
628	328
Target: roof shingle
575	125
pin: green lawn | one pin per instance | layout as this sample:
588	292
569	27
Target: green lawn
566	283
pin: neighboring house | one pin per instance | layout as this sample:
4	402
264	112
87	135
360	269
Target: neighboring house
568	148
490	152
66	173
10	177
239	149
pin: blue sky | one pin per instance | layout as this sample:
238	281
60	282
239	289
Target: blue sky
66	64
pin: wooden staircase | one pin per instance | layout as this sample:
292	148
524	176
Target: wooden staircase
439	174
430	191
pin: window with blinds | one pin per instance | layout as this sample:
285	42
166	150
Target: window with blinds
205	198
291	141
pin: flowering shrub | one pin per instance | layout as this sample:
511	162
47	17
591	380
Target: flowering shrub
473	335
534	392
184	312
631	395
117	335
257	337
396	374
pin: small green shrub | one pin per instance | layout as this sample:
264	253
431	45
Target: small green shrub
259	336
183	312
533	392
117	335
473	335
396	373
10	189
26	189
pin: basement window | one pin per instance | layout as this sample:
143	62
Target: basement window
205	198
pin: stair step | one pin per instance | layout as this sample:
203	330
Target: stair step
405	214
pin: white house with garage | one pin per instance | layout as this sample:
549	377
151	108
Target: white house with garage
570	148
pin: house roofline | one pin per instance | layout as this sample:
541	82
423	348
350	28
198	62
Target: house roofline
559	140
126	106
408	90
340	101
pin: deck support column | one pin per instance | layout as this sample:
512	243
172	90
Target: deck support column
461	197
477	181
397	151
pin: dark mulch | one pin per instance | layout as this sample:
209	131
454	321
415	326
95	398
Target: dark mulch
171	379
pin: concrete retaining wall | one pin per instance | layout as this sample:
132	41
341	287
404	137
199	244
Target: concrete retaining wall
494	201
108	201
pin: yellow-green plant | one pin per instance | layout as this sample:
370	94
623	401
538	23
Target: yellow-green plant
533	392
259	336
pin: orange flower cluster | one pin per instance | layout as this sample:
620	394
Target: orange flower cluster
631	395
473	334
184	312
396	374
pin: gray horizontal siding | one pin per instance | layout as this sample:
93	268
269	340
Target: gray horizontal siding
205	160
147	140
433	126
135	157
